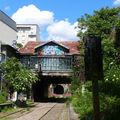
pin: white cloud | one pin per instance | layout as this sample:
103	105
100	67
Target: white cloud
56	30
32	15
62	30
117	2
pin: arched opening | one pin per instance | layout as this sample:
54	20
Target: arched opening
50	88
58	89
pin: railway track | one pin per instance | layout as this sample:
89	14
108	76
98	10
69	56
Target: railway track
46	112
57	112
43	111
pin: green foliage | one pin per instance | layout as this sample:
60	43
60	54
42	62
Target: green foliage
6	109
109	88
82	103
111	62
75	84
101	23
20	103
19	45
110	107
18	76
3	97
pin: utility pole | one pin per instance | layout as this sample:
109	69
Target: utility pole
94	68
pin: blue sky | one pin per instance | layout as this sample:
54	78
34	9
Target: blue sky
56	18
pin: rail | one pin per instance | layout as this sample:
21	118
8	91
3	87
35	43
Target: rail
49	63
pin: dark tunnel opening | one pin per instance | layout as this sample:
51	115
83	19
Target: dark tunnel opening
41	89
58	89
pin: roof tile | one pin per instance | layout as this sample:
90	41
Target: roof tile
29	47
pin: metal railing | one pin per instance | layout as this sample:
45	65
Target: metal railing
49	63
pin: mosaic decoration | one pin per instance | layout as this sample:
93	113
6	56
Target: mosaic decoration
52	50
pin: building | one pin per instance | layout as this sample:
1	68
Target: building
27	32
8	36
8	51
52	57
53	62
8	30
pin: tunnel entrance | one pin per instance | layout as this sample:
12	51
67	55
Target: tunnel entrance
58	89
42	89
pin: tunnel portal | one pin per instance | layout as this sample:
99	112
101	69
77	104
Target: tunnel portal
58	89
42	89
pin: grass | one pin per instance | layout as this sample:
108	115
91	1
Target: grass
4	119
9	110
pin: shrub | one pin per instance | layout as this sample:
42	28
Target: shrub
20	103
3	97
110	107
83	104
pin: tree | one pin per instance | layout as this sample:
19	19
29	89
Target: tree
19	45
101	23
104	23
17	76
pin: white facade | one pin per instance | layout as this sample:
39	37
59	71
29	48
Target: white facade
27	32
8	30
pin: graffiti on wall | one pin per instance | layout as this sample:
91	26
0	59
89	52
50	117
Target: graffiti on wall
52	50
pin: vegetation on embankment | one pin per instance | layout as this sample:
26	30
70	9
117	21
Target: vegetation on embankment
8	113
104	23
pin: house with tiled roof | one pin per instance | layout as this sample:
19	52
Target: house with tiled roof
53	61
29	48
49	56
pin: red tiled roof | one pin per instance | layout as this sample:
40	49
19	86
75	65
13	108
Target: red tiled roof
29	47
73	46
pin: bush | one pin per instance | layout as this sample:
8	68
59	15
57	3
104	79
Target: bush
110	107
74	84
3	97
83	104
20	103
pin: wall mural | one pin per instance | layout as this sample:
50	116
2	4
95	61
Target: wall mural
52	50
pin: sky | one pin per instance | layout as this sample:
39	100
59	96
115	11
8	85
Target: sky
57	19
